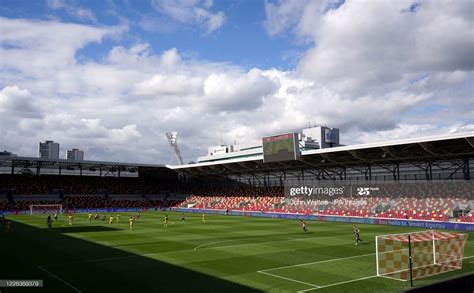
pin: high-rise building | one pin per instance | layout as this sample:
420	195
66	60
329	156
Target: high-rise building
49	150
75	155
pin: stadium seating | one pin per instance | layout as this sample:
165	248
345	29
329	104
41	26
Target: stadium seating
469	218
4	205
30	185
76	192
394	205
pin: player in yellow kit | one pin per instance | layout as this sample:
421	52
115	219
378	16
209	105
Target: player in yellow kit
165	223
70	218
204	218
111	220
89	217
131	221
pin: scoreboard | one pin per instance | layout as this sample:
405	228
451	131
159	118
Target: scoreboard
283	147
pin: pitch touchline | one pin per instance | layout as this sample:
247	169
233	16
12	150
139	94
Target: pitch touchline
59	279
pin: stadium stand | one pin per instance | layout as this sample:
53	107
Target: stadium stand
393	205
76	192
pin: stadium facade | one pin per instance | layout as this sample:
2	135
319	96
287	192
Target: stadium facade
445	157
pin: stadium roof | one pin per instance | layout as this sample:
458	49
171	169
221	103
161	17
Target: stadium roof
33	163
426	149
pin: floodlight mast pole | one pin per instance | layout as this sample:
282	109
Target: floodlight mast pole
410	262
172	138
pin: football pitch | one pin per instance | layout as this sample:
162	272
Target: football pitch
225	254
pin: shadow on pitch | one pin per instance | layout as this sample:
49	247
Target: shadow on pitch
80	229
92	267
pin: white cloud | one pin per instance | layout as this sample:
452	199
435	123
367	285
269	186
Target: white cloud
119	108
16	101
282	15
73	10
191	12
55	43
178	85
380	57
373	46
236	91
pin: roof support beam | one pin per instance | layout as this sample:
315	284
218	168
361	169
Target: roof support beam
470	141
389	151
355	155
427	148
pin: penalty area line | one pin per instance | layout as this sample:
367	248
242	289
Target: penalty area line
59	279
289	279
360	279
318	262
336	284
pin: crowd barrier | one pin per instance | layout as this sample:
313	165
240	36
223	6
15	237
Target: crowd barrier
469	227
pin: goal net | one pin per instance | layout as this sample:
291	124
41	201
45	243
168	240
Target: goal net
46	208
432	253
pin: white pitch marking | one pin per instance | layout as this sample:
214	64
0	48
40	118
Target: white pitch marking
339	283
316	262
59	279
209	243
289	279
360	279
392	278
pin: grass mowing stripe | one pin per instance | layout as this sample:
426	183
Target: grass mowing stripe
224	249
176	251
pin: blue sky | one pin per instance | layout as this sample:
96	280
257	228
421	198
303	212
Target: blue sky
112	77
241	40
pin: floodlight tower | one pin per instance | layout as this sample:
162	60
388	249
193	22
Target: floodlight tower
172	138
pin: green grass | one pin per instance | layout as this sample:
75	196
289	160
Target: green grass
223	255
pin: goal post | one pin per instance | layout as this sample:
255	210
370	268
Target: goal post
46	208
432	252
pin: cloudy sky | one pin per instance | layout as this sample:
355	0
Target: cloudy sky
111	77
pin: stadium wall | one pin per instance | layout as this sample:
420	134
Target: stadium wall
359	220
